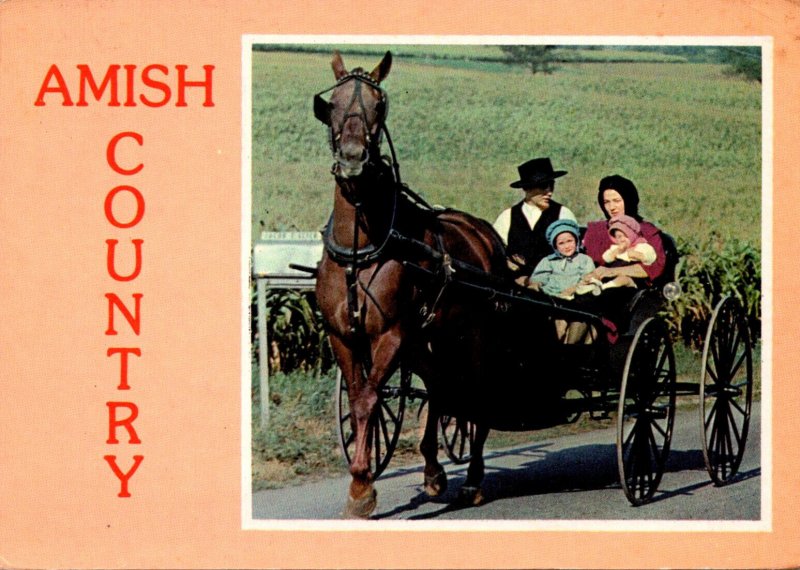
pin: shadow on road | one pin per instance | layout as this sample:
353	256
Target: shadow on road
536	470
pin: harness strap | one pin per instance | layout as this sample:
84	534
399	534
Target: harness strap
446	271
354	313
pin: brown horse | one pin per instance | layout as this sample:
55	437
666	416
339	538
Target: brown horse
377	309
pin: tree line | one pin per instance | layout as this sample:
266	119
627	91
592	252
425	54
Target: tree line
744	61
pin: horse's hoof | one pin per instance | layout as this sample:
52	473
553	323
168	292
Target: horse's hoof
436	485
470	496
362	507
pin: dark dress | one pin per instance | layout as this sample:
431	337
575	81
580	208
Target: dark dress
612	304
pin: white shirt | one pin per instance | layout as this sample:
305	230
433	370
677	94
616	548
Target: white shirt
503	222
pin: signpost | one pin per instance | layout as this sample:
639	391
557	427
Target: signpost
273	253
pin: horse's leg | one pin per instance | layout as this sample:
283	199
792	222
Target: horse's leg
435	477
361	498
363	394
470	492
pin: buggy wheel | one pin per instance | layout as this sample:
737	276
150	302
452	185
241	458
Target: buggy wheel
457	438
386	424
726	390
646	411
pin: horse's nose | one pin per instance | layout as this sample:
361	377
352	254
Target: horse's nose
354	151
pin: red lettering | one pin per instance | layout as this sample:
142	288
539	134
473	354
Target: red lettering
127	423
158	85
111	265
117	417
86	78
183	84
115	301
152	85
61	87
123	363
129	100
111	153
110	203
123	477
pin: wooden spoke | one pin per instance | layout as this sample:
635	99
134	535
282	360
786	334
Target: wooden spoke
726	390
384	427
646	411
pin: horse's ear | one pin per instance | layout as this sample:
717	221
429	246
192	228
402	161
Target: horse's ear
382	69
337	64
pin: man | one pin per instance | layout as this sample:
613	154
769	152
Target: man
523	226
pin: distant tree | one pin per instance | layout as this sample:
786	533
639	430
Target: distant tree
536	58
742	60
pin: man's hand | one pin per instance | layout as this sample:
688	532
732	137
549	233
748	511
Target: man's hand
515	262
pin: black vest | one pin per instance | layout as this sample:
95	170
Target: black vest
531	243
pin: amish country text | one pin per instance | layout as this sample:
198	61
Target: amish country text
153	85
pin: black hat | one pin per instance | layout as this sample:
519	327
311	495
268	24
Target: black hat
535	173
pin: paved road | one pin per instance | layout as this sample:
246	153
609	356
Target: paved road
568	478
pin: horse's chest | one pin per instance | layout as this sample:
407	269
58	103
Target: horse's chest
372	299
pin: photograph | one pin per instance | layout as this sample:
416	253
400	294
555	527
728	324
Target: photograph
500	282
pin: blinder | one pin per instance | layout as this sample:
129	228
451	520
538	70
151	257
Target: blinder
322	108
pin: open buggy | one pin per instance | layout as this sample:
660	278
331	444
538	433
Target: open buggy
632	379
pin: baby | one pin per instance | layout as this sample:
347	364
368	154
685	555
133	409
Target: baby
629	247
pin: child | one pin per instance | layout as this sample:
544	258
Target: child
559	273
629	247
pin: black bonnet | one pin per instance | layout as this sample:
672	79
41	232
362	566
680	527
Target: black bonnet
626	189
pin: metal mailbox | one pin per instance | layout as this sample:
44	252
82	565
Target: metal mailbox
275	251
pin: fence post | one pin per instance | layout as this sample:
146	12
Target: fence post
263	349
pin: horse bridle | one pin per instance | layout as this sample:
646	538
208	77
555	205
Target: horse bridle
322	111
355	257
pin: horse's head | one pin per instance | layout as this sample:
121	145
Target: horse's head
355	114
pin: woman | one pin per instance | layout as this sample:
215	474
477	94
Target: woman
618	196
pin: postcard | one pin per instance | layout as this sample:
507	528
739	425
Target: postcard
398	285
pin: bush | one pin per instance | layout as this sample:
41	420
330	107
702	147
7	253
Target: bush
534	57
707	273
744	61
295	331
